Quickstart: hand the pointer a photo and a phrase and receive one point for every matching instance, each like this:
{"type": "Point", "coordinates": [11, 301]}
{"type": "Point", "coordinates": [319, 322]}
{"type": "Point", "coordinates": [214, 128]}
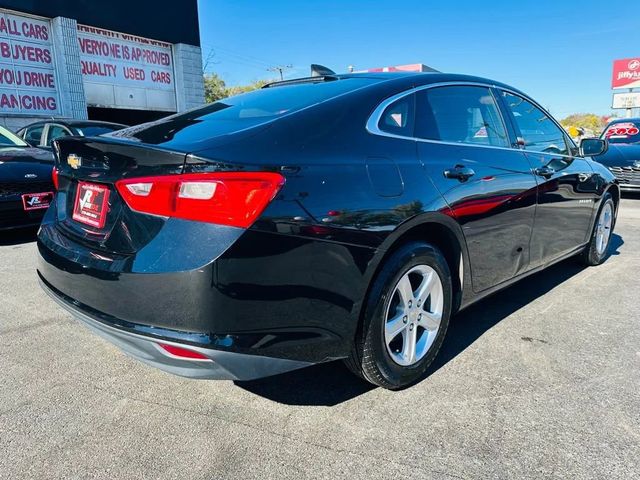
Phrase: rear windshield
{"type": "Point", "coordinates": [239, 112]}
{"type": "Point", "coordinates": [623, 132]}
{"type": "Point", "coordinates": [95, 130]}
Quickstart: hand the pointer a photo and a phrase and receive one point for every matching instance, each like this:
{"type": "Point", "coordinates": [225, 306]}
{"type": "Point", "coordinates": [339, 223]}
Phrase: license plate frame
{"type": "Point", "coordinates": [33, 201]}
{"type": "Point", "coordinates": [91, 204]}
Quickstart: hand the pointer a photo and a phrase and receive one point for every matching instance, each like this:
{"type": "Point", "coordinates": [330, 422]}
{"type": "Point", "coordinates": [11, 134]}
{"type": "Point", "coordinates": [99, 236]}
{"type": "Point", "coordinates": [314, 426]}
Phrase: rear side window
{"type": "Point", "coordinates": [460, 114]}
{"type": "Point", "coordinates": [539, 132]}
{"type": "Point", "coordinates": [397, 118]}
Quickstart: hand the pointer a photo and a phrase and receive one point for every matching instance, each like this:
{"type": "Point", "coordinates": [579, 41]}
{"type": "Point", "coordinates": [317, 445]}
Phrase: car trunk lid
{"type": "Point", "coordinates": [87, 171]}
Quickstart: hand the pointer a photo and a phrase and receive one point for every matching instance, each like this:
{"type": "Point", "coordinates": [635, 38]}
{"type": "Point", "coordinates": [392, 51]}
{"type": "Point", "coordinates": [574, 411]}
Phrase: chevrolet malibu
{"type": "Point", "coordinates": [331, 217]}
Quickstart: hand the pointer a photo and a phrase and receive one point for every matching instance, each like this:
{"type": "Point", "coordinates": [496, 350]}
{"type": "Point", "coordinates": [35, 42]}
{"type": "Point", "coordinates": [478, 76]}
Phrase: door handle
{"type": "Point", "coordinates": [459, 172]}
{"type": "Point", "coordinates": [545, 171]}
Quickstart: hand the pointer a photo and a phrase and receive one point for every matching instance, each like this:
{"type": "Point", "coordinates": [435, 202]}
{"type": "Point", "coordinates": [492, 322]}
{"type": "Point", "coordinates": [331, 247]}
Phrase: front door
{"type": "Point", "coordinates": [567, 188]}
{"type": "Point", "coordinates": [488, 184]}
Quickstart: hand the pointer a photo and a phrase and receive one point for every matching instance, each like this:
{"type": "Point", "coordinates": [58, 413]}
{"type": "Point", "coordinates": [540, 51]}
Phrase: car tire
{"type": "Point", "coordinates": [597, 249]}
{"type": "Point", "coordinates": [397, 360]}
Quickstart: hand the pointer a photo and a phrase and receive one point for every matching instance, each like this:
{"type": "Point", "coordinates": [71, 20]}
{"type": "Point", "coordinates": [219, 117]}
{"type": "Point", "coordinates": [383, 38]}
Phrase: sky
{"type": "Point", "coordinates": [559, 52]}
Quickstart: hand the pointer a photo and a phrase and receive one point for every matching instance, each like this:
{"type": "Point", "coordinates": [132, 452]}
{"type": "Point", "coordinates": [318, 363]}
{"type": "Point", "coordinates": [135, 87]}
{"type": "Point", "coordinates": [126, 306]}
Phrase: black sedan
{"type": "Point", "coordinates": [42, 134]}
{"type": "Point", "coordinates": [26, 184]}
{"type": "Point", "coordinates": [623, 155]}
{"type": "Point", "coordinates": [331, 217]}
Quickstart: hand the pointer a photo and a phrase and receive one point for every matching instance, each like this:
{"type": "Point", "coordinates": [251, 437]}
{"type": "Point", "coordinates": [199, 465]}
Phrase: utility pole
{"type": "Point", "coordinates": [280, 69]}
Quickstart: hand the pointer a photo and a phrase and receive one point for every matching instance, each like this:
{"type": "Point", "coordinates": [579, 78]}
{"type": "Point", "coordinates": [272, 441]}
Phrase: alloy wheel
{"type": "Point", "coordinates": [603, 228]}
{"type": "Point", "coordinates": [413, 315]}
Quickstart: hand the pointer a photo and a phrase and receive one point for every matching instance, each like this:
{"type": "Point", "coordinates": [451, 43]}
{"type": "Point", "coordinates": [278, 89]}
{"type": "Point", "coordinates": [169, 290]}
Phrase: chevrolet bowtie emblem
{"type": "Point", "coordinates": [74, 161]}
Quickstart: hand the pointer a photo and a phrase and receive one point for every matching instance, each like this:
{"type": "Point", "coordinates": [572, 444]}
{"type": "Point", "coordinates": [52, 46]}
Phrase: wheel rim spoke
{"type": "Point", "coordinates": [394, 326]}
{"type": "Point", "coordinates": [409, 349]}
{"type": "Point", "coordinates": [424, 290]}
{"type": "Point", "coordinates": [431, 321]}
{"type": "Point", "coordinates": [405, 291]}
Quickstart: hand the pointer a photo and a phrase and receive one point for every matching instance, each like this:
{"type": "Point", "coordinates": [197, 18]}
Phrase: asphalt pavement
{"type": "Point", "coordinates": [541, 380]}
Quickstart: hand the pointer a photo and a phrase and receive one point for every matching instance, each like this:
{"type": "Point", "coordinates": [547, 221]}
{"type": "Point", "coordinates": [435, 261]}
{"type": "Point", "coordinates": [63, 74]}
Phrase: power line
{"type": "Point", "coordinates": [280, 69]}
{"type": "Point", "coordinates": [241, 56]}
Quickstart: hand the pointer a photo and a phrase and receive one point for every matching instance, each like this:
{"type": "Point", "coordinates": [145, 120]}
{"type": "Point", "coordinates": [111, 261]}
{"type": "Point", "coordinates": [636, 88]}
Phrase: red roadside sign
{"type": "Point", "coordinates": [626, 73]}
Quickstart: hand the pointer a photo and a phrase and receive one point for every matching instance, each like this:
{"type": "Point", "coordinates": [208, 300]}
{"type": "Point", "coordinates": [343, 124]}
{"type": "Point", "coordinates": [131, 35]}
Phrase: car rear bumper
{"type": "Point", "coordinates": [218, 365]}
{"type": "Point", "coordinates": [260, 294]}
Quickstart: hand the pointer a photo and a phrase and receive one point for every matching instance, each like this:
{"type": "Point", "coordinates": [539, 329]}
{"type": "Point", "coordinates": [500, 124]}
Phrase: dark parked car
{"type": "Point", "coordinates": [623, 155]}
{"type": "Point", "coordinates": [26, 185]}
{"type": "Point", "coordinates": [42, 134]}
{"type": "Point", "coordinates": [334, 217]}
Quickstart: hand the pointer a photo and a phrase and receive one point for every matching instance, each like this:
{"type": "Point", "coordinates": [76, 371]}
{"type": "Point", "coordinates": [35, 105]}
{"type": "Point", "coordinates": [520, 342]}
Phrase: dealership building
{"type": "Point", "coordinates": [121, 61]}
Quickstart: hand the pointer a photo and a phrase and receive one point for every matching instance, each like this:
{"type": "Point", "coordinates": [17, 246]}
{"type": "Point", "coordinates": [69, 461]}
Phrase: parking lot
{"type": "Point", "coordinates": [540, 380]}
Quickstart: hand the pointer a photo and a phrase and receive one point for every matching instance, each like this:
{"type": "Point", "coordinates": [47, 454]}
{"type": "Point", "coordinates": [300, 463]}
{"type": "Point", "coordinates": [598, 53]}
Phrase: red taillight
{"type": "Point", "coordinates": [183, 352]}
{"type": "Point", "coordinates": [225, 198]}
{"type": "Point", "coordinates": [54, 177]}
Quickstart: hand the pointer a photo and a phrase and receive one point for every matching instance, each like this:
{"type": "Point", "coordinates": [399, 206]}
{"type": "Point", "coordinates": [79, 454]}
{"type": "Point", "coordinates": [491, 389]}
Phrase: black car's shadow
{"type": "Point", "coordinates": [331, 383]}
{"type": "Point", "coordinates": [631, 195]}
{"type": "Point", "coordinates": [18, 236]}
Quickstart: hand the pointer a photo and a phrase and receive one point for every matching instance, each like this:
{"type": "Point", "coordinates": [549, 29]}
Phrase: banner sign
{"type": "Point", "coordinates": [626, 73]}
{"type": "Point", "coordinates": [27, 71]}
{"type": "Point", "coordinates": [114, 58]}
{"type": "Point", "coordinates": [622, 130]}
{"type": "Point", "coordinates": [626, 100]}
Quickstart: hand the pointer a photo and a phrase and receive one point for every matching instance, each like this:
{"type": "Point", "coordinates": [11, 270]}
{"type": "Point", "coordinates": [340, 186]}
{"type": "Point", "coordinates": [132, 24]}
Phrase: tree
{"type": "Point", "coordinates": [247, 88]}
{"type": "Point", "coordinates": [588, 121]}
{"type": "Point", "coordinates": [215, 88]}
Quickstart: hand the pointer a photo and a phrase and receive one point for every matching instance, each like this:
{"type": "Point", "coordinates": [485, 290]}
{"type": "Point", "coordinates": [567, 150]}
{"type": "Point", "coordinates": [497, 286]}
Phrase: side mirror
{"type": "Point", "coordinates": [591, 147]}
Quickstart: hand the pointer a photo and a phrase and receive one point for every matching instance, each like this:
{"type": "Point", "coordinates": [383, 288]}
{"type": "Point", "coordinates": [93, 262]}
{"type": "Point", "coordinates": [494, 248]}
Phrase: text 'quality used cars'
{"type": "Point", "coordinates": [333, 217]}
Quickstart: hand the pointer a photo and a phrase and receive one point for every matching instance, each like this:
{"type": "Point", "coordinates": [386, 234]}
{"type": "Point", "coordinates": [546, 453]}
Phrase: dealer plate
{"type": "Point", "coordinates": [36, 201]}
{"type": "Point", "coordinates": [91, 204]}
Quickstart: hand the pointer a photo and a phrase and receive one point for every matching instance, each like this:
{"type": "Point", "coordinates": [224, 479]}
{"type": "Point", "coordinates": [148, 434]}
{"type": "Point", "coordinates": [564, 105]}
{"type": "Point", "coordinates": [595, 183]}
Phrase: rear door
{"type": "Point", "coordinates": [567, 188]}
{"type": "Point", "coordinates": [467, 152]}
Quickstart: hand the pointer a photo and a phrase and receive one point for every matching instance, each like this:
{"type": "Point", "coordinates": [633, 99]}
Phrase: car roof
{"type": "Point", "coordinates": [426, 78]}
{"type": "Point", "coordinates": [406, 79]}
{"type": "Point", "coordinates": [624, 120]}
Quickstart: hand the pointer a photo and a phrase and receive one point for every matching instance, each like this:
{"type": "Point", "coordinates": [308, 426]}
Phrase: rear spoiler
{"type": "Point", "coordinates": [296, 81]}
{"type": "Point", "coordinates": [319, 73]}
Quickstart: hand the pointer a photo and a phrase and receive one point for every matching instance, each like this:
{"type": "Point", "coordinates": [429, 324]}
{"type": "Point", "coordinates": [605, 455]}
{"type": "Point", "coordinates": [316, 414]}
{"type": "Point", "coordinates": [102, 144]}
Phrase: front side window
{"type": "Point", "coordinates": [397, 118]}
{"type": "Point", "coordinates": [460, 114]}
{"type": "Point", "coordinates": [538, 131]}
